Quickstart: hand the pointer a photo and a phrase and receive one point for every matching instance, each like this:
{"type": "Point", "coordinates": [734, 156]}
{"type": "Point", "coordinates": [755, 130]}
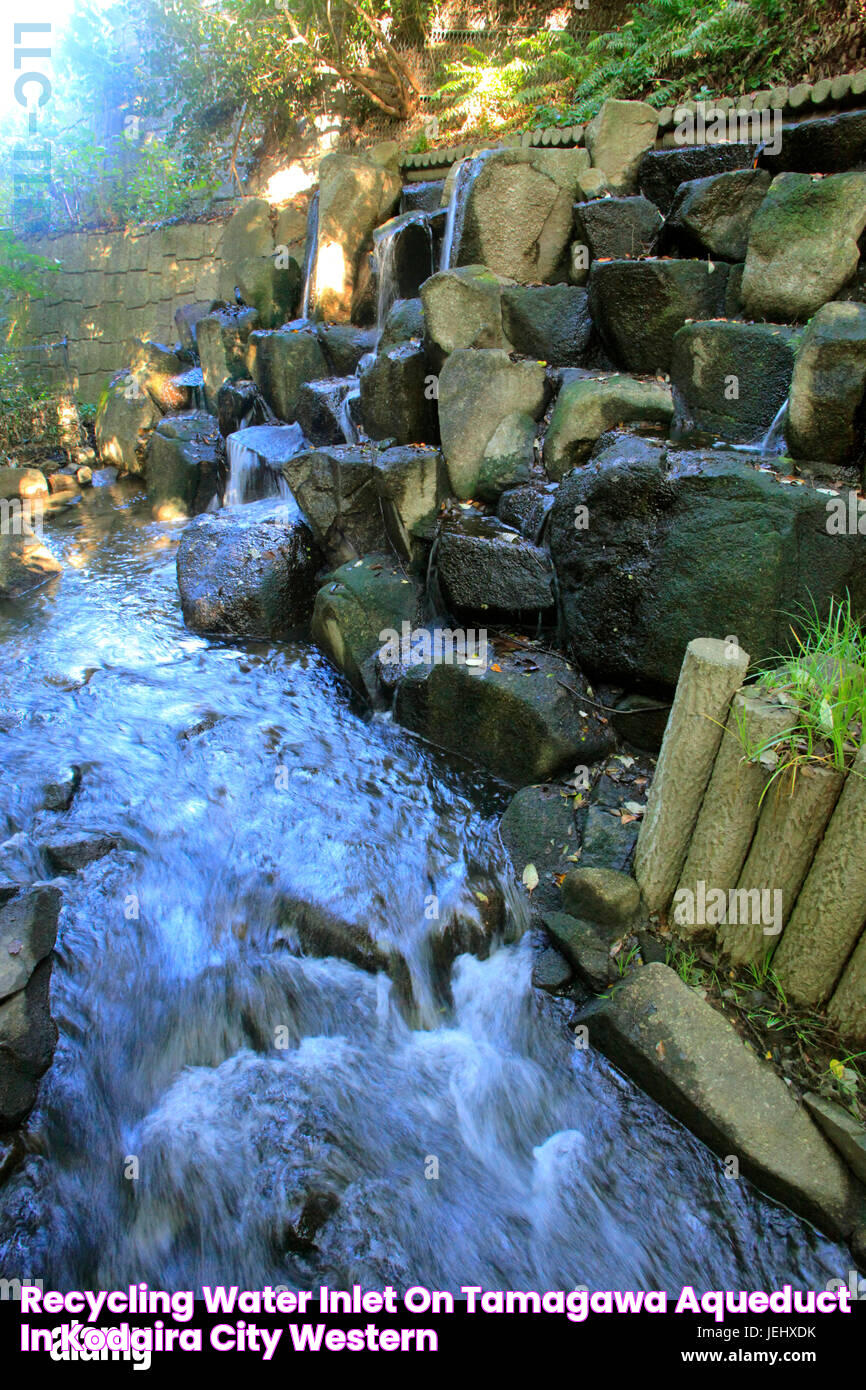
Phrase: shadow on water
{"type": "Point", "coordinates": [224, 1109]}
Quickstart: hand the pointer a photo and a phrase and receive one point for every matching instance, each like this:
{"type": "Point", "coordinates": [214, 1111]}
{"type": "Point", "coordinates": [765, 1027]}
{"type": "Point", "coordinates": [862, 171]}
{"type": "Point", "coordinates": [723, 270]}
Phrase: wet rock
{"type": "Point", "coordinates": [344, 345]}
{"type": "Point", "coordinates": [125, 417]}
{"type": "Point", "coordinates": [319, 409]}
{"type": "Point", "coordinates": [692, 1061]}
{"type": "Point", "coordinates": [59, 795]}
{"type": "Point", "coordinates": [533, 246]}
{"type": "Point", "coordinates": [587, 409]}
{"type": "Point", "coordinates": [463, 309]}
{"type": "Point", "coordinates": [222, 337]}
{"type": "Point", "coordinates": [356, 195]}
{"type": "Point", "coordinates": [550, 322]}
{"type": "Point", "coordinates": [686, 542]}
{"type": "Point", "coordinates": [397, 401]}
{"type": "Point", "coordinates": [411, 482]}
{"type": "Point", "coordinates": [830, 145]}
{"type": "Point", "coordinates": [661, 172]}
{"type": "Point", "coordinates": [28, 1037]}
{"type": "Point", "coordinates": [405, 321]}
{"type": "Point", "coordinates": [78, 849]}
{"type": "Point", "coordinates": [730, 379]}
{"type": "Point", "coordinates": [826, 418]}
{"type": "Point", "coordinates": [609, 899]}
{"type": "Point", "coordinates": [248, 572]}
{"type": "Point", "coordinates": [583, 946]}
{"type": "Point", "coordinates": [335, 488]}
{"type": "Point", "coordinates": [488, 408]}
{"type": "Point", "coordinates": [617, 228]}
{"type": "Point", "coordinates": [25, 561]}
{"type": "Point", "coordinates": [550, 971]}
{"type": "Point", "coordinates": [28, 930]}
{"type": "Point", "coordinates": [485, 564]}
{"type": "Point", "coordinates": [280, 362]}
{"type": "Point", "coordinates": [538, 828]}
{"type": "Point", "coordinates": [356, 609]}
{"type": "Point", "coordinates": [618, 137]}
{"type": "Point", "coordinates": [520, 725]}
{"type": "Point", "coordinates": [803, 244]}
{"type": "Point", "coordinates": [714, 215]}
{"type": "Point", "coordinates": [185, 464]}
{"type": "Point", "coordinates": [638, 306]}
{"type": "Point", "coordinates": [844, 1132]}
{"type": "Point", "coordinates": [155, 367]}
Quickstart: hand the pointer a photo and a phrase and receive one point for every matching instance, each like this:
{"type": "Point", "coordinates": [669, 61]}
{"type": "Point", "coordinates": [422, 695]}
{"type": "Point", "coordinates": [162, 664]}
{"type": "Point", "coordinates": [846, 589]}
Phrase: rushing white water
{"type": "Point", "coordinates": [310, 254]}
{"type": "Point", "coordinates": [467, 172]}
{"type": "Point", "coordinates": [254, 458]}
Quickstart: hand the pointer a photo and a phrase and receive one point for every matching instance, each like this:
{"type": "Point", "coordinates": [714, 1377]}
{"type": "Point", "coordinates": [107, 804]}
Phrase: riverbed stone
{"type": "Point", "coordinates": [683, 543]}
{"type": "Point", "coordinates": [617, 228]}
{"type": "Point", "coordinates": [360, 605]}
{"type": "Point", "coordinates": [28, 930]}
{"type": "Point", "coordinates": [550, 322]}
{"type": "Point", "coordinates": [248, 571]}
{"type": "Point", "coordinates": [520, 725]}
{"type": "Point", "coordinates": [618, 137]}
{"type": "Point", "coordinates": [483, 564]}
{"type": "Point", "coordinates": [463, 309]}
{"type": "Point", "coordinates": [335, 487]}
{"type": "Point", "coordinates": [540, 185]}
{"type": "Point", "coordinates": [222, 337]}
{"type": "Point", "coordinates": [730, 379]}
{"type": "Point", "coordinates": [690, 1059]}
{"type": "Point", "coordinates": [396, 400]}
{"type": "Point", "coordinates": [826, 417]}
{"type": "Point", "coordinates": [488, 408]}
{"type": "Point", "coordinates": [588, 408]}
{"type": "Point", "coordinates": [125, 417]}
{"type": "Point", "coordinates": [638, 306]}
{"type": "Point", "coordinates": [280, 362]}
{"type": "Point", "coordinates": [714, 215]}
{"type": "Point", "coordinates": [803, 244]}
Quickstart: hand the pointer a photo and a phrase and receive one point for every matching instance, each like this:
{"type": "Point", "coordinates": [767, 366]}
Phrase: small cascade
{"type": "Point", "coordinates": [773, 441]}
{"type": "Point", "coordinates": [310, 253]}
{"type": "Point", "coordinates": [467, 172]}
{"type": "Point", "coordinates": [255, 456]}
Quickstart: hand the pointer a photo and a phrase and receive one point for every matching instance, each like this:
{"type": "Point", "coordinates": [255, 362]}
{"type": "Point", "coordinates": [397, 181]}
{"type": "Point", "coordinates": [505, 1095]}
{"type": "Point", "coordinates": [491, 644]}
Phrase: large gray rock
{"type": "Point", "coordinates": [638, 306]}
{"type": "Point", "coordinates": [28, 1037]}
{"type": "Point", "coordinates": [463, 309]}
{"type": "Point", "coordinates": [248, 571]}
{"type": "Point", "coordinates": [185, 464]}
{"type": "Point", "coordinates": [336, 490]}
{"type": "Point", "coordinates": [355, 196]}
{"type": "Point", "coordinates": [826, 409]}
{"type": "Point", "coordinates": [483, 564]}
{"type": "Point", "coordinates": [617, 228]}
{"type": "Point", "coordinates": [588, 408]}
{"type": "Point", "coordinates": [222, 338]}
{"type": "Point", "coordinates": [488, 408]}
{"type": "Point", "coordinates": [518, 721]}
{"type": "Point", "coordinates": [411, 482]}
{"type": "Point", "coordinates": [518, 213]}
{"type": "Point", "coordinates": [28, 930]}
{"type": "Point", "coordinates": [689, 543]}
{"type": "Point", "coordinates": [125, 417]}
{"type": "Point", "coordinates": [691, 1059]}
{"type": "Point", "coordinates": [397, 401]}
{"type": "Point", "coordinates": [661, 172]}
{"type": "Point", "coordinates": [618, 137]}
{"type": "Point", "coordinates": [355, 611]}
{"type": "Point", "coordinates": [803, 244]}
{"type": "Point", "coordinates": [714, 215]}
{"type": "Point", "coordinates": [280, 362]}
{"type": "Point", "coordinates": [730, 379]}
{"type": "Point", "coordinates": [550, 322]}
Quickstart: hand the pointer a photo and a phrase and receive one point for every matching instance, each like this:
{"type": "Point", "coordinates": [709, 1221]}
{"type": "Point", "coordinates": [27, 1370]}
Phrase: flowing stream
{"type": "Point", "coordinates": [222, 1108]}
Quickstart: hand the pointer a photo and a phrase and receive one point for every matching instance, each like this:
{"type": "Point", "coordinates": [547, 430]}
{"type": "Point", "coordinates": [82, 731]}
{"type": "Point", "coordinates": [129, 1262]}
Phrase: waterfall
{"type": "Point", "coordinates": [310, 253]}
{"type": "Point", "coordinates": [467, 172]}
{"type": "Point", "coordinates": [255, 456]}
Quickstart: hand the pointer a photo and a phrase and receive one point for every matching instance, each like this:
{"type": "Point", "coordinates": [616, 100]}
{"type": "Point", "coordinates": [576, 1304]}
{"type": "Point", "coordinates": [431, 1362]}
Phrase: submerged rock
{"type": "Point", "coordinates": [247, 572]}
